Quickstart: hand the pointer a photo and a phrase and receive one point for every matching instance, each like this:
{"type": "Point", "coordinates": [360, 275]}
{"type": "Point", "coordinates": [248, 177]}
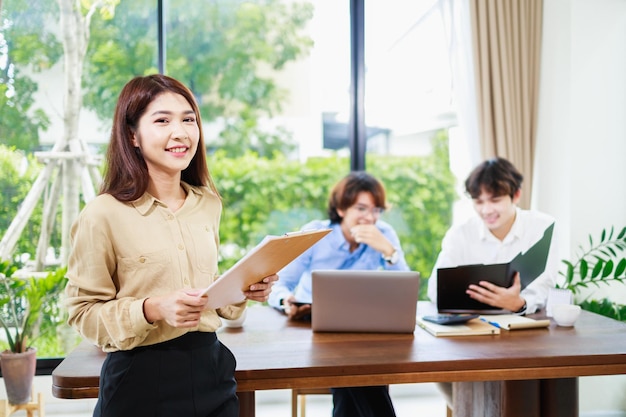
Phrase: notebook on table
{"type": "Point", "coordinates": [364, 301]}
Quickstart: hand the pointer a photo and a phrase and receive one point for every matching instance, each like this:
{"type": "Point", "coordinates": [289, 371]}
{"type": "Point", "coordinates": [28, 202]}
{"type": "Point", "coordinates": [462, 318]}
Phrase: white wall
{"type": "Point", "coordinates": [580, 170]}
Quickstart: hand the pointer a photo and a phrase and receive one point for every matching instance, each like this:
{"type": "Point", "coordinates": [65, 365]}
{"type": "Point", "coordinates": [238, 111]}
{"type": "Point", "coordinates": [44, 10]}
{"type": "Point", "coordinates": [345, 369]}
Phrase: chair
{"type": "Point", "coordinates": [298, 398]}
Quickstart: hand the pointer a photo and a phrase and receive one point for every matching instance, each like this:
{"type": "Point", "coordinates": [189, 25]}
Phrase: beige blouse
{"type": "Point", "coordinates": [123, 253]}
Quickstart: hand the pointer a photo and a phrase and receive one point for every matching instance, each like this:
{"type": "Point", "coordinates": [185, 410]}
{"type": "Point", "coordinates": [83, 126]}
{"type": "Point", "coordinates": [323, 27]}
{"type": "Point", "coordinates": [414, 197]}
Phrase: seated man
{"type": "Point", "coordinates": [359, 240]}
{"type": "Point", "coordinates": [499, 232]}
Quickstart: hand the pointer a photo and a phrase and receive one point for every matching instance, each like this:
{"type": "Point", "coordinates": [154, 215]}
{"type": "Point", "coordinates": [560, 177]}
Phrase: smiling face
{"type": "Point", "coordinates": [497, 212]}
{"type": "Point", "coordinates": [363, 211]}
{"type": "Point", "coordinates": [167, 135]}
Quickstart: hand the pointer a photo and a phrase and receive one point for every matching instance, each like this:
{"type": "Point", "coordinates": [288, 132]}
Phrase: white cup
{"type": "Point", "coordinates": [238, 322]}
{"type": "Point", "coordinates": [565, 314]}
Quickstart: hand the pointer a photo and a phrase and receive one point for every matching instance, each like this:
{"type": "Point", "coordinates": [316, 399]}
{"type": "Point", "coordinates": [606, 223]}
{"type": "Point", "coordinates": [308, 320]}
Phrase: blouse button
{"type": "Point", "coordinates": [142, 260]}
{"type": "Point", "coordinates": [181, 246]}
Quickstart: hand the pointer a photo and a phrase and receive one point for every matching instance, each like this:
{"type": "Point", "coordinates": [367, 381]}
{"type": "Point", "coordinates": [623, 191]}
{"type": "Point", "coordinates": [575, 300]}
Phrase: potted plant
{"type": "Point", "coordinates": [602, 262]}
{"type": "Point", "coordinates": [23, 303]}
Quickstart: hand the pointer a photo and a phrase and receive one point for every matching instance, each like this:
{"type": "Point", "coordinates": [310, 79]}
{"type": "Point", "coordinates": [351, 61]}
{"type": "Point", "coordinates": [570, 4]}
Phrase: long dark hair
{"type": "Point", "coordinates": [126, 177]}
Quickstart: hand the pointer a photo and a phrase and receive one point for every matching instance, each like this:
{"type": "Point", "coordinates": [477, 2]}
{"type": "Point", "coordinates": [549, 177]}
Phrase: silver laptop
{"type": "Point", "coordinates": [364, 301]}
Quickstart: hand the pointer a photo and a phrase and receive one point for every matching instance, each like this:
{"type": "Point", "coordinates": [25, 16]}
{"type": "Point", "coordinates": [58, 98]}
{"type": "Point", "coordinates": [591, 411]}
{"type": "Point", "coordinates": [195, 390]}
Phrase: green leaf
{"type": "Point", "coordinates": [608, 268]}
{"type": "Point", "coordinates": [621, 267]}
{"type": "Point", "coordinates": [583, 269]}
{"type": "Point", "coordinates": [622, 233]}
{"type": "Point", "coordinates": [603, 236]}
{"type": "Point", "coordinates": [596, 269]}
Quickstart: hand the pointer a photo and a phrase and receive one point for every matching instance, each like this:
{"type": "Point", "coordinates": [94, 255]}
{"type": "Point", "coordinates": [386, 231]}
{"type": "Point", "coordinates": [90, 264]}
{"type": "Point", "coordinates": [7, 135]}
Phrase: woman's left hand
{"type": "Point", "coordinates": [260, 291]}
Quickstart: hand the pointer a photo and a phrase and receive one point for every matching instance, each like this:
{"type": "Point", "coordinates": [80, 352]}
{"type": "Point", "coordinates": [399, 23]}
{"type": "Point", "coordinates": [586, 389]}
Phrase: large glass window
{"type": "Point", "coordinates": [273, 80]}
{"type": "Point", "coordinates": [408, 115]}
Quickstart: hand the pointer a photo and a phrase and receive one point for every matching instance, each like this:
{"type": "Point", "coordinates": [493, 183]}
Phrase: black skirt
{"type": "Point", "coordinates": [191, 376]}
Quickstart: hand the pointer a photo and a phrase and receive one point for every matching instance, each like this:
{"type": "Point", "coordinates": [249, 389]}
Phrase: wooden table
{"type": "Point", "coordinates": [526, 372]}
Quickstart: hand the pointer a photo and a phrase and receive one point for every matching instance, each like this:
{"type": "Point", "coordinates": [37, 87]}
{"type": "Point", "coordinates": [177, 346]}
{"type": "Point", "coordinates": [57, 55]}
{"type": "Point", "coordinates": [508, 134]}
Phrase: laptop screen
{"type": "Point", "coordinates": [364, 301]}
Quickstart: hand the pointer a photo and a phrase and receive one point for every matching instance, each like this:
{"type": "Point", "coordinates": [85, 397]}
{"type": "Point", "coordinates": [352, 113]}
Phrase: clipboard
{"type": "Point", "coordinates": [267, 258]}
{"type": "Point", "coordinates": [452, 282]}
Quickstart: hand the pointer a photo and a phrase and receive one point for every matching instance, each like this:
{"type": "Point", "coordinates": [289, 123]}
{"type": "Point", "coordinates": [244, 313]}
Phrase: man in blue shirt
{"type": "Point", "coordinates": [359, 241]}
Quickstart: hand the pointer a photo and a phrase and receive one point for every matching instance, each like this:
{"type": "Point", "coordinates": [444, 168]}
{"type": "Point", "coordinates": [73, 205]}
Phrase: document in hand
{"type": "Point", "coordinates": [452, 282]}
{"type": "Point", "coordinates": [474, 327]}
{"type": "Point", "coordinates": [267, 258]}
{"type": "Point", "coordinates": [514, 322]}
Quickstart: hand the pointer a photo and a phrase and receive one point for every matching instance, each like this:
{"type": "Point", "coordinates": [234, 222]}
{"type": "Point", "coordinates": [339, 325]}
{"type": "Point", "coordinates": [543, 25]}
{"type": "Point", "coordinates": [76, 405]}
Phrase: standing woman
{"type": "Point", "coordinates": [141, 253]}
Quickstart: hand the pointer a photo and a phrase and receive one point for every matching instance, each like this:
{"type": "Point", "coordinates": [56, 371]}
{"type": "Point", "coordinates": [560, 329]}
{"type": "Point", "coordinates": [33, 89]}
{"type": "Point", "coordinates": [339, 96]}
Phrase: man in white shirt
{"type": "Point", "coordinates": [499, 233]}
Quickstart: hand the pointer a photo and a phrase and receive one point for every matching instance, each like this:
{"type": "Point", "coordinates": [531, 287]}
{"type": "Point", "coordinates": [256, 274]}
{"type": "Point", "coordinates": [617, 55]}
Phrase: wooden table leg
{"type": "Point", "coordinates": [559, 397]}
{"type": "Point", "coordinates": [246, 404]}
{"type": "Point", "coordinates": [521, 398]}
{"type": "Point", "coordinates": [527, 398]}
{"type": "Point", "coordinates": [471, 399]}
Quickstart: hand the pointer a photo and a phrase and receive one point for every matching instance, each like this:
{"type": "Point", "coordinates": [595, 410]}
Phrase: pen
{"type": "Point", "coordinates": [493, 323]}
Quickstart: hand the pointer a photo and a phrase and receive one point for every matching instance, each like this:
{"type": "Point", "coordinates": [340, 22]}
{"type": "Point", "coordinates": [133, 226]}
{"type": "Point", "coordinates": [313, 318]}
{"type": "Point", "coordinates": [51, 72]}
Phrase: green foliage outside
{"type": "Point", "coordinates": [227, 52]}
{"type": "Point", "coordinates": [24, 48]}
{"type": "Point", "coordinates": [18, 171]}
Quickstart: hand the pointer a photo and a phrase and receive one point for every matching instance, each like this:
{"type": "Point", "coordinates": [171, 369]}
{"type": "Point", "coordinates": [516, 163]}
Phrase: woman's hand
{"type": "Point", "coordinates": [178, 309]}
{"type": "Point", "coordinates": [260, 291]}
{"type": "Point", "coordinates": [496, 296]}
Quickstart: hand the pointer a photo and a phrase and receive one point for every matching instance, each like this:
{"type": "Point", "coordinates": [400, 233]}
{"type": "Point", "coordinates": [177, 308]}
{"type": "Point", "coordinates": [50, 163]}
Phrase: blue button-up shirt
{"type": "Point", "coordinates": [331, 252]}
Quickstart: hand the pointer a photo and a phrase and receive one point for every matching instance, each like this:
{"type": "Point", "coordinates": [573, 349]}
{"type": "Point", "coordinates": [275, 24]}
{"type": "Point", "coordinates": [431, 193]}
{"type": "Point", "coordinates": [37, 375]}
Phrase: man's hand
{"type": "Point", "coordinates": [496, 296]}
{"type": "Point", "coordinates": [370, 235]}
{"type": "Point", "coordinates": [295, 310]}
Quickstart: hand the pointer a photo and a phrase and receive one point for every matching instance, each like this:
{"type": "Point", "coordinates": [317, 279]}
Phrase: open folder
{"type": "Point", "coordinates": [453, 282]}
{"type": "Point", "coordinates": [267, 258]}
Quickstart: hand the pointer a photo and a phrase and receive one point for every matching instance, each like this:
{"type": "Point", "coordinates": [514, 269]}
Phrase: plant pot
{"type": "Point", "coordinates": [18, 371]}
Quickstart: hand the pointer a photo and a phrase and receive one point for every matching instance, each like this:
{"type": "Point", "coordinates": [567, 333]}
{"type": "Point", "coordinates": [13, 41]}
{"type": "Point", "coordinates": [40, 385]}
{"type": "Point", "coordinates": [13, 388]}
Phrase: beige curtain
{"type": "Point", "coordinates": [506, 37]}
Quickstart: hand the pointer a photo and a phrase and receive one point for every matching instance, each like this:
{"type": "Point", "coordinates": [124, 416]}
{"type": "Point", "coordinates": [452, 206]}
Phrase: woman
{"type": "Point", "coordinates": [359, 240]}
{"type": "Point", "coordinates": [141, 253]}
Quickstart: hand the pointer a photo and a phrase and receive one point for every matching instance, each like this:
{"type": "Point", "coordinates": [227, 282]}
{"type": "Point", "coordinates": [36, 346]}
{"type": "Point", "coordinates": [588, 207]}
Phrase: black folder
{"type": "Point", "coordinates": [453, 282]}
